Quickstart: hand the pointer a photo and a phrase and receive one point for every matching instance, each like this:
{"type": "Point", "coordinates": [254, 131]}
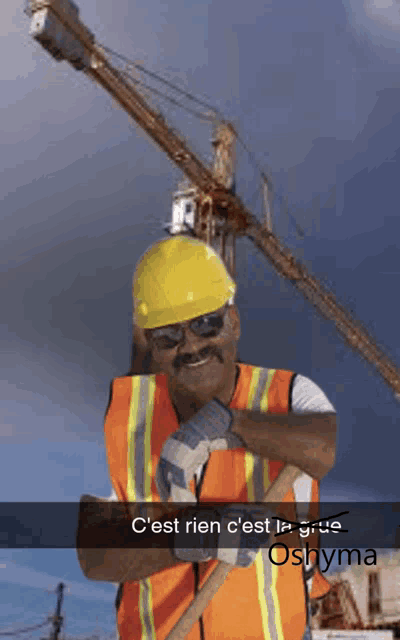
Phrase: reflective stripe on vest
{"type": "Point", "coordinates": [258, 481]}
{"type": "Point", "coordinates": [139, 477]}
{"type": "Point", "coordinates": [139, 439]}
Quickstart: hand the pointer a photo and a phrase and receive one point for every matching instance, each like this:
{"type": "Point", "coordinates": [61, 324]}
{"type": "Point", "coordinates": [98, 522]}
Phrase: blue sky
{"type": "Point", "coordinates": [314, 90]}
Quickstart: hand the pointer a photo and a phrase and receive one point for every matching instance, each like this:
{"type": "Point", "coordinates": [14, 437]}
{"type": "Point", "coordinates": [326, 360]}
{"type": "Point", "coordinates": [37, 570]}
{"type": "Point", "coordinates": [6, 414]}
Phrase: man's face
{"type": "Point", "coordinates": [198, 365]}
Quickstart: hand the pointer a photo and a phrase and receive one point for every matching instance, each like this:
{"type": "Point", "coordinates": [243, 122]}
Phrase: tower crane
{"type": "Point", "coordinates": [217, 211]}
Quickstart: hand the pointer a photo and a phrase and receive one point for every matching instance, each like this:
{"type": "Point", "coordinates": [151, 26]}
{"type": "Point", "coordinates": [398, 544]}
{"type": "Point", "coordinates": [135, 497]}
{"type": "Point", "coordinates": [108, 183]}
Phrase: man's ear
{"type": "Point", "coordinates": [235, 320]}
{"type": "Point", "coordinates": [139, 338]}
{"type": "Point", "coordinates": [141, 359]}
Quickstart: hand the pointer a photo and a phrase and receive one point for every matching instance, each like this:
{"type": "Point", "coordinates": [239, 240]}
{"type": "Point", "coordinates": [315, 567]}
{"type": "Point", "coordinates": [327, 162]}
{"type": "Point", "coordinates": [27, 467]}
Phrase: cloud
{"type": "Point", "coordinates": [379, 20]}
{"type": "Point", "coordinates": [383, 12]}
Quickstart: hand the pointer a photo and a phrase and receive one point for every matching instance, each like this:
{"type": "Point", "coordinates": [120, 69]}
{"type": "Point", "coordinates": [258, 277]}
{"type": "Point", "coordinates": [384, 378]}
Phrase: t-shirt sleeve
{"type": "Point", "coordinates": [307, 397]}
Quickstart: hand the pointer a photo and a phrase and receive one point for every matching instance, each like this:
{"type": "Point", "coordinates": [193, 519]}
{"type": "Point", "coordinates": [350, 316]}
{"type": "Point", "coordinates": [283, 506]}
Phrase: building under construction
{"type": "Point", "coordinates": [362, 598]}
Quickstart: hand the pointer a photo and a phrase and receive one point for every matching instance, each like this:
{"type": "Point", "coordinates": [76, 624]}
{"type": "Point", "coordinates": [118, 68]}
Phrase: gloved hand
{"type": "Point", "coordinates": [231, 545]}
{"type": "Point", "coordinates": [189, 448]}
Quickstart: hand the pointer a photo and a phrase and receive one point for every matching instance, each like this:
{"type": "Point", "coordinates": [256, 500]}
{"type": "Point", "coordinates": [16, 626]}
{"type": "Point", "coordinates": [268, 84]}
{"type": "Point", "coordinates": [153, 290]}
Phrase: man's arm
{"type": "Point", "coordinates": [306, 437]}
{"type": "Point", "coordinates": [306, 441]}
{"type": "Point", "coordinates": [119, 564]}
{"type": "Point", "coordinates": [122, 565]}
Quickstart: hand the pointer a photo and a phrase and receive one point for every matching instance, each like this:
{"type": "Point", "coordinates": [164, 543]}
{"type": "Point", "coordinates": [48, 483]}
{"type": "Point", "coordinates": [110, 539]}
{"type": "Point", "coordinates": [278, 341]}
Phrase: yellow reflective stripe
{"type": "Point", "coordinates": [266, 475]}
{"type": "Point", "coordinates": [146, 587]}
{"type": "Point", "coordinates": [132, 425]}
{"type": "Point", "coordinates": [249, 462]}
{"type": "Point", "coordinates": [249, 469]}
{"type": "Point", "coordinates": [264, 400]}
{"type": "Point", "coordinates": [267, 579]}
{"type": "Point", "coordinates": [264, 407]}
{"type": "Point", "coordinates": [139, 438]}
{"type": "Point", "coordinates": [142, 588]}
{"type": "Point", "coordinates": [146, 610]}
{"type": "Point", "coordinates": [139, 476]}
{"type": "Point", "coordinates": [259, 565]}
{"type": "Point", "coordinates": [147, 440]}
{"type": "Point", "coordinates": [249, 458]}
{"type": "Point", "coordinates": [253, 386]}
{"type": "Point", "coordinates": [275, 599]}
{"type": "Point", "coordinates": [150, 600]}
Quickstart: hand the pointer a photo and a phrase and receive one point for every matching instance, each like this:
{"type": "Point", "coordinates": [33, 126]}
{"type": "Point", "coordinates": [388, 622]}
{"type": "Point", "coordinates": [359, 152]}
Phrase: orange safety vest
{"type": "Point", "coordinates": [264, 601]}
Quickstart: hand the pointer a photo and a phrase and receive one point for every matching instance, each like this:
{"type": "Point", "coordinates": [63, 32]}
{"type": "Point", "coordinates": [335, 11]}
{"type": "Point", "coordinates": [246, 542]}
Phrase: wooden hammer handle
{"type": "Point", "coordinates": [275, 493]}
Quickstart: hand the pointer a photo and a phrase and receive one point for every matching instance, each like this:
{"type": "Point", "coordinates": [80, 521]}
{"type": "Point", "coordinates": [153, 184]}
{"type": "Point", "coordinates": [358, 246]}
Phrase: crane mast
{"type": "Point", "coordinates": [56, 25]}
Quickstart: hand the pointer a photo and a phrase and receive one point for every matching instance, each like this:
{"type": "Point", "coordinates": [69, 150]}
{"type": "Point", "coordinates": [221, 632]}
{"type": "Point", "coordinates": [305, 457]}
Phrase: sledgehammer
{"type": "Point", "coordinates": [275, 493]}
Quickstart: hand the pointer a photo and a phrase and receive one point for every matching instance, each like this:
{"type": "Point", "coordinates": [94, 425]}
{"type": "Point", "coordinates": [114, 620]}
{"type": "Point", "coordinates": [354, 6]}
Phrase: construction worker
{"type": "Point", "coordinates": [222, 430]}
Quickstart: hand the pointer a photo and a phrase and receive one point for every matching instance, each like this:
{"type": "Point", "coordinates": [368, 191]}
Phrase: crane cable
{"type": "Point", "coordinates": [163, 96]}
{"type": "Point", "coordinates": [202, 116]}
{"type": "Point", "coordinates": [217, 113]}
{"type": "Point", "coordinates": [152, 74]}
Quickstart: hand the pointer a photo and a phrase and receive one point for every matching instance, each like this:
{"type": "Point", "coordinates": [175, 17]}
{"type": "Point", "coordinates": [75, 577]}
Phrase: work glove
{"type": "Point", "coordinates": [189, 448]}
{"type": "Point", "coordinates": [231, 545]}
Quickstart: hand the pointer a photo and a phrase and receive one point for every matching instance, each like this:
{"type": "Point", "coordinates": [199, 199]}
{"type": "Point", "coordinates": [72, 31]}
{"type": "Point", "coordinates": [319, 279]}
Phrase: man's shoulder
{"type": "Point", "coordinates": [305, 394]}
{"type": "Point", "coordinates": [308, 397]}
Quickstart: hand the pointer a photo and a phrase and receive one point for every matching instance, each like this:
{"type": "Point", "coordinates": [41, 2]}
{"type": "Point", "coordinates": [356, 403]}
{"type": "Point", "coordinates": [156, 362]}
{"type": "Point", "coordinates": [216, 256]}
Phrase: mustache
{"type": "Point", "coordinates": [192, 358]}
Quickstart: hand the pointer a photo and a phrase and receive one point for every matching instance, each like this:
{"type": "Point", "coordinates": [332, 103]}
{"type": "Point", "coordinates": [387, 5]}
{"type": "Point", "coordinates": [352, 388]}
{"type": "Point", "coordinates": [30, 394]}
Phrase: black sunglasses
{"type": "Point", "coordinates": [206, 326]}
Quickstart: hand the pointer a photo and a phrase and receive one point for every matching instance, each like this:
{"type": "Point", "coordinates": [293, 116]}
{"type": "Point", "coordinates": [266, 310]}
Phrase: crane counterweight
{"type": "Point", "coordinates": [56, 25]}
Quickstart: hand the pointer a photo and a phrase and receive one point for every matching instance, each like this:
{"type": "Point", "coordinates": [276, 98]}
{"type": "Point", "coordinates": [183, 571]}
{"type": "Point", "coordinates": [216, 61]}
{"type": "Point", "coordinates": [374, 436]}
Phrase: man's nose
{"type": "Point", "coordinates": [190, 342]}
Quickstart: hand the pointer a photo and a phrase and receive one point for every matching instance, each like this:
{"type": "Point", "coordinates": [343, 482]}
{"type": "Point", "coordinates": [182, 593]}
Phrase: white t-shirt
{"type": "Point", "coordinates": [307, 397]}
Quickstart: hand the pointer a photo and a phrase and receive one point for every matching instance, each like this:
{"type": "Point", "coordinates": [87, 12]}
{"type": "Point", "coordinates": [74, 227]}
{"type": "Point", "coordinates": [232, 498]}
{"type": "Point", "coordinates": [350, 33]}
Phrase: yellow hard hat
{"type": "Point", "coordinates": [178, 279]}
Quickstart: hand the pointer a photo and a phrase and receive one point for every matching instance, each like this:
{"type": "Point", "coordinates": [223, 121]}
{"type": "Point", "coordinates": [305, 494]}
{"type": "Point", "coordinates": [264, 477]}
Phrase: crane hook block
{"type": "Point", "coordinates": [52, 25]}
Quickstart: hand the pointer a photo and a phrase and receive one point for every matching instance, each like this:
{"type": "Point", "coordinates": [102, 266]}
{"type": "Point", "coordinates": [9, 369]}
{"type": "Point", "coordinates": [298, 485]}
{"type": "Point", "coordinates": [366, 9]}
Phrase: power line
{"type": "Point", "coordinates": [16, 632]}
